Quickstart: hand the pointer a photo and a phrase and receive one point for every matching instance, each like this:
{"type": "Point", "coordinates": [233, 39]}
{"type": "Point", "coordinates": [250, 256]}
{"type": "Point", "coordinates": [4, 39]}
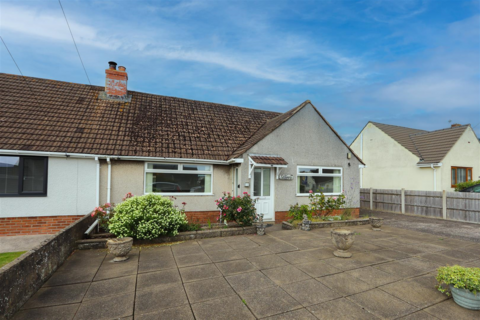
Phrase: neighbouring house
{"type": "Point", "coordinates": [66, 148]}
{"type": "Point", "coordinates": [413, 159]}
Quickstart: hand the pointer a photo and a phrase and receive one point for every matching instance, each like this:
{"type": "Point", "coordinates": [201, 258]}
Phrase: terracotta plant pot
{"type": "Point", "coordinates": [342, 239]}
{"type": "Point", "coordinates": [376, 223]}
{"type": "Point", "coordinates": [120, 248]}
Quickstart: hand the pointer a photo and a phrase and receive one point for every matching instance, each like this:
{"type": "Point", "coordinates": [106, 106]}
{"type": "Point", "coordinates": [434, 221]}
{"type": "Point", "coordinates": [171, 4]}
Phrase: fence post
{"type": "Point", "coordinates": [403, 200]}
{"type": "Point", "coordinates": [444, 204]}
{"type": "Point", "coordinates": [371, 199]}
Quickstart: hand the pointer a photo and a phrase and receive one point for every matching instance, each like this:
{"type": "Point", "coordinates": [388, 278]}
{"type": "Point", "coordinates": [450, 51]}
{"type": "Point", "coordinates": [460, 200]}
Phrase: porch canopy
{"type": "Point", "coordinates": [265, 161]}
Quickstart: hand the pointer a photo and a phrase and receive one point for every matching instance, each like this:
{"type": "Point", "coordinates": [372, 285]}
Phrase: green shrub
{"type": "Point", "coordinates": [296, 212]}
{"type": "Point", "coordinates": [325, 206]}
{"type": "Point", "coordinates": [146, 217]}
{"type": "Point", "coordinates": [464, 185]}
{"type": "Point", "coordinates": [459, 277]}
{"type": "Point", "coordinates": [239, 209]}
{"type": "Point", "coordinates": [190, 227]}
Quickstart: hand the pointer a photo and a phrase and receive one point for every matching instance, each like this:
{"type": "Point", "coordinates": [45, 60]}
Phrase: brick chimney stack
{"type": "Point", "coordinates": [456, 125]}
{"type": "Point", "coordinates": [116, 81]}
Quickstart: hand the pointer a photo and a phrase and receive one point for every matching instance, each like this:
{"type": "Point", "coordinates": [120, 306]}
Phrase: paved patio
{"type": "Point", "coordinates": [283, 275]}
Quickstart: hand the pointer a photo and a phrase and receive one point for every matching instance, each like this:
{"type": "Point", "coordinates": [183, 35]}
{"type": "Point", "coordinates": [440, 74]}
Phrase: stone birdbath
{"type": "Point", "coordinates": [342, 239]}
{"type": "Point", "coordinates": [120, 248]}
{"type": "Point", "coordinates": [376, 223]}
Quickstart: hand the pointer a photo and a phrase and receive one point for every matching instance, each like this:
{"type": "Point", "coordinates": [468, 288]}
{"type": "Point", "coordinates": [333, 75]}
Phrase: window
{"type": "Point", "coordinates": [460, 174]}
{"type": "Point", "coordinates": [178, 178]}
{"type": "Point", "coordinates": [319, 179]}
{"type": "Point", "coordinates": [23, 176]}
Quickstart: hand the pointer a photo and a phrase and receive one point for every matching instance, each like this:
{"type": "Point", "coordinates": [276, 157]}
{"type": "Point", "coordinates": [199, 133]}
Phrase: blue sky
{"type": "Point", "coordinates": [408, 63]}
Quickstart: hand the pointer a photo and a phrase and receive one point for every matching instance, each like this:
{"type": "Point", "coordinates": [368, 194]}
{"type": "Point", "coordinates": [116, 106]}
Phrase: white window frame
{"type": "Point", "coordinates": [179, 170]}
{"type": "Point", "coordinates": [320, 169]}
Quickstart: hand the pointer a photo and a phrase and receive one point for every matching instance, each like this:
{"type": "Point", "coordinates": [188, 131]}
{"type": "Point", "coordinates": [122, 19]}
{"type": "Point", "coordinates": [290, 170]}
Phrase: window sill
{"type": "Point", "coordinates": [307, 194]}
{"type": "Point", "coordinates": [180, 194]}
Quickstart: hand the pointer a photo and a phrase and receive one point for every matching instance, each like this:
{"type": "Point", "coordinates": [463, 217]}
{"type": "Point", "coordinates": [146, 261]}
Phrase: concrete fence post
{"type": "Point", "coordinates": [403, 200]}
{"type": "Point", "coordinates": [444, 204]}
{"type": "Point", "coordinates": [371, 199]}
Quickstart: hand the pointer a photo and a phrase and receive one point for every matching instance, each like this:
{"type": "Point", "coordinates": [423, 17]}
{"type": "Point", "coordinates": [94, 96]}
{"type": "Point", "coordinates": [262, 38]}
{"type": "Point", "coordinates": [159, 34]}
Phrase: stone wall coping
{"type": "Point", "coordinates": [326, 224]}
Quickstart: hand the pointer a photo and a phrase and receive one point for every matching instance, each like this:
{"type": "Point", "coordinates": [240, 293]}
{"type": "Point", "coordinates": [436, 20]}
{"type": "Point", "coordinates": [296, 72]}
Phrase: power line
{"type": "Point", "coordinates": [74, 42]}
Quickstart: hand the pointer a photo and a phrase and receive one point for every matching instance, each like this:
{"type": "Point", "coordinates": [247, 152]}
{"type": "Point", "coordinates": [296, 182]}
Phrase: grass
{"type": "Point", "coordinates": [9, 257]}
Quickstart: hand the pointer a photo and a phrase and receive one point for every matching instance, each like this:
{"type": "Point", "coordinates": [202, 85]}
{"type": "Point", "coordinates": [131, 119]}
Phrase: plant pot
{"type": "Point", "coordinates": [376, 223]}
{"type": "Point", "coordinates": [342, 239]}
{"type": "Point", "coordinates": [465, 298]}
{"type": "Point", "coordinates": [120, 248]}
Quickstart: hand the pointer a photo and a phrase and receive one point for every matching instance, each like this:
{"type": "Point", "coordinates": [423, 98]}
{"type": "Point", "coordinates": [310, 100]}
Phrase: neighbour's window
{"type": "Point", "coordinates": [461, 174]}
{"type": "Point", "coordinates": [166, 178]}
{"type": "Point", "coordinates": [23, 176]}
{"type": "Point", "coordinates": [319, 179]}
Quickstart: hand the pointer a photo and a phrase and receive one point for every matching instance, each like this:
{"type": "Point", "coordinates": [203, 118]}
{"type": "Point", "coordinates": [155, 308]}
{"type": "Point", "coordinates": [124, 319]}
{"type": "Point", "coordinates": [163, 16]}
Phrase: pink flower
{"type": "Point", "coordinates": [310, 191]}
{"type": "Point", "coordinates": [238, 196]}
{"type": "Point", "coordinates": [217, 203]}
{"type": "Point", "coordinates": [93, 214]}
{"type": "Point", "coordinates": [245, 192]}
{"type": "Point", "coordinates": [226, 208]}
{"type": "Point", "coordinates": [224, 214]}
{"type": "Point", "coordinates": [334, 198]}
{"type": "Point", "coordinates": [239, 209]}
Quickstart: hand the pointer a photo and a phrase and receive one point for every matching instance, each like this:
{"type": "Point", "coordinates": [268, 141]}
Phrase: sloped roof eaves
{"type": "Point", "coordinates": [269, 160]}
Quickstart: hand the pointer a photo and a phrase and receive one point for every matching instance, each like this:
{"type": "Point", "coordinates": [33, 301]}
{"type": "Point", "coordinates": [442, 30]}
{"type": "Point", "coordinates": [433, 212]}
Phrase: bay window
{"type": "Point", "coordinates": [461, 174]}
{"type": "Point", "coordinates": [176, 178]}
{"type": "Point", "coordinates": [23, 176]}
{"type": "Point", "coordinates": [319, 179]}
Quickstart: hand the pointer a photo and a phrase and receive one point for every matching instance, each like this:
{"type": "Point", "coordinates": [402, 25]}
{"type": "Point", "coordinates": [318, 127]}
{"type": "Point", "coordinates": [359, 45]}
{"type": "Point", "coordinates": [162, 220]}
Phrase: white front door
{"type": "Point", "coordinates": [263, 192]}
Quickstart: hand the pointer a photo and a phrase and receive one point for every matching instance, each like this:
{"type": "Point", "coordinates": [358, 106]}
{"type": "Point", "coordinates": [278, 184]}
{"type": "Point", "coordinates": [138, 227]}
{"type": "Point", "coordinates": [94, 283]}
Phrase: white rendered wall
{"type": "Point", "coordinates": [71, 190]}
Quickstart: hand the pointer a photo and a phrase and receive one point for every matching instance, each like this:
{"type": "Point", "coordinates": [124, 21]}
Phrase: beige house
{"type": "Point", "coordinates": [399, 157]}
{"type": "Point", "coordinates": [66, 148]}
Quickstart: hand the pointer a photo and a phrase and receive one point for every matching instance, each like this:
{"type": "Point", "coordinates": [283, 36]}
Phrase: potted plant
{"type": "Point", "coordinates": [464, 284]}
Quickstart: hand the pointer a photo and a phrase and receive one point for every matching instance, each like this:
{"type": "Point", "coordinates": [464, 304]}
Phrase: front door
{"type": "Point", "coordinates": [263, 192]}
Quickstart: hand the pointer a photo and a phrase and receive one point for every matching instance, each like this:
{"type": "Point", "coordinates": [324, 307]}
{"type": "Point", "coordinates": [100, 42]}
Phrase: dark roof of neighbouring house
{"type": "Point", "coordinates": [428, 146]}
{"type": "Point", "coordinates": [274, 160]}
{"type": "Point", "coordinates": [53, 116]}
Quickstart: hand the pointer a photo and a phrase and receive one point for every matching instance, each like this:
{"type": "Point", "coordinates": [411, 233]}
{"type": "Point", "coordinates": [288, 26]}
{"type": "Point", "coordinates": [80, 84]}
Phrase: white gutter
{"type": "Point", "coordinates": [429, 165]}
{"type": "Point", "coordinates": [101, 156]}
{"type": "Point", "coordinates": [109, 179]}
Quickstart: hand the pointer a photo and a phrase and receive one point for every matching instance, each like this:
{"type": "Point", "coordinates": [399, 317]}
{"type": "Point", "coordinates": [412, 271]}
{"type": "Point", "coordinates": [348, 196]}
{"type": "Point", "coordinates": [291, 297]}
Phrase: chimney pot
{"type": "Point", "coordinates": [112, 65]}
{"type": "Point", "coordinates": [456, 125]}
{"type": "Point", "coordinates": [121, 68]}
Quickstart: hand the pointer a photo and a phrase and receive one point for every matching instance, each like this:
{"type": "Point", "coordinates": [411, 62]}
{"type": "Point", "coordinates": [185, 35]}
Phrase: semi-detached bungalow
{"type": "Point", "coordinates": [66, 148]}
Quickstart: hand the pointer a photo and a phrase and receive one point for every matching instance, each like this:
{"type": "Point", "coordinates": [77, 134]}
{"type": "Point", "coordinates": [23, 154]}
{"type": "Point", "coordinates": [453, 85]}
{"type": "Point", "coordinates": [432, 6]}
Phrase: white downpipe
{"type": "Point", "coordinates": [434, 178]}
{"type": "Point", "coordinates": [109, 179]}
{"type": "Point", "coordinates": [97, 200]}
{"type": "Point", "coordinates": [361, 145]}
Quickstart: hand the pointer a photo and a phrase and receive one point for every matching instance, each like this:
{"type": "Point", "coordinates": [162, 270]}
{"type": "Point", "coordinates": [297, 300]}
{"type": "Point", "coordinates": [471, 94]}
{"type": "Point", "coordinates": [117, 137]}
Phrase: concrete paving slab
{"type": "Point", "coordinates": [112, 307]}
{"type": "Point", "coordinates": [440, 259]}
{"type": "Point", "coordinates": [84, 259]}
{"type": "Point", "coordinates": [106, 288]}
{"type": "Point", "coordinates": [269, 301]}
{"type": "Point", "coordinates": [63, 277]}
{"type": "Point", "coordinates": [22, 243]}
{"type": "Point", "coordinates": [192, 260]}
{"type": "Point", "coordinates": [399, 269]}
{"type": "Point", "coordinates": [374, 277]}
{"type": "Point", "coordinates": [210, 289]}
{"type": "Point", "coordinates": [155, 253]}
{"type": "Point", "coordinates": [392, 254]}
{"type": "Point", "coordinates": [224, 255]}
{"type": "Point", "coordinates": [160, 297]}
{"type": "Point", "coordinates": [222, 309]}
{"type": "Point", "coordinates": [310, 292]}
{"type": "Point", "coordinates": [217, 246]}
{"type": "Point", "coordinates": [178, 313]}
{"type": "Point", "coordinates": [414, 293]}
{"type": "Point", "coordinates": [341, 309]}
{"type": "Point", "coordinates": [297, 257]}
{"type": "Point", "coordinates": [158, 279]}
{"type": "Point", "coordinates": [285, 274]}
{"type": "Point", "coordinates": [318, 268]}
{"type": "Point", "coordinates": [268, 262]}
{"type": "Point", "coordinates": [110, 269]}
{"type": "Point", "coordinates": [410, 249]}
{"type": "Point", "coordinates": [463, 255]}
{"type": "Point", "coordinates": [156, 264]}
{"type": "Point", "coordinates": [255, 252]}
{"type": "Point", "coordinates": [54, 296]}
{"type": "Point", "coordinates": [300, 314]}
{"type": "Point", "coordinates": [448, 309]}
{"type": "Point", "coordinates": [420, 315]}
{"type": "Point", "coordinates": [49, 313]}
{"type": "Point", "coordinates": [382, 304]}
{"type": "Point", "coordinates": [345, 264]}
{"type": "Point", "coordinates": [202, 272]}
{"type": "Point", "coordinates": [280, 247]}
{"type": "Point", "coordinates": [249, 281]}
{"type": "Point", "coordinates": [345, 284]}
{"type": "Point", "coordinates": [420, 264]}
{"type": "Point", "coordinates": [236, 266]}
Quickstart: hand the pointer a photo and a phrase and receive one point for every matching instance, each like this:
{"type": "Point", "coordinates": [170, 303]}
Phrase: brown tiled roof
{"type": "Point", "coordinates": [428, 146]}
{"type": "Point", "coordinates": [269, 160]}
{"type": "Point", "coordinates": [53, 116]}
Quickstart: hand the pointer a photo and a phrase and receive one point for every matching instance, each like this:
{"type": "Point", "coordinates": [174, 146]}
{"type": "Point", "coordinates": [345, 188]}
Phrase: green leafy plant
{"type": "Point", "coordinates": [209, 224]}
{"type": "Point", "coordinates": [147, 217]}
{"type": "Point", "coordinates": [296, 212]}
{"type": "Point", "coordinates": [459, 277]}
{"type": "Point", "coordinates": [240, 209]}
{"type": "Point", "coordinates": [322, 205]}
{"type": "Point", "coordinates": [464, 185]}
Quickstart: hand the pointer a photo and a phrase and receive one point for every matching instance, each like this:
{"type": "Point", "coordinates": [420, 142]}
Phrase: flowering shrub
{"type": "Point", "coordinates": [103, 214]}
{"type": "Point", "coordinates": [147, 217]}
{"type": "Point", "coordinates": [296, 212]}
{"type": "Point", "coordinates": [240, 209]}
{"type": "Point", "coordinates": [324, 206]}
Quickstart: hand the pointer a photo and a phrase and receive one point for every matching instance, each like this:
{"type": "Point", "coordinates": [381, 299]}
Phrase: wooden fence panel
{"type": "Point", "coordinates": [460, 206]}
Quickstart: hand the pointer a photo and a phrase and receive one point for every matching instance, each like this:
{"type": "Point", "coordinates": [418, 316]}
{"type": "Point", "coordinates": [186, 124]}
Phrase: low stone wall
{"type": "Point", "coordinates": [21, 278]}
{"type": "Point", "coordinates": [328, 224]}
{"type": "Point", "coordinates": [181, 236]}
